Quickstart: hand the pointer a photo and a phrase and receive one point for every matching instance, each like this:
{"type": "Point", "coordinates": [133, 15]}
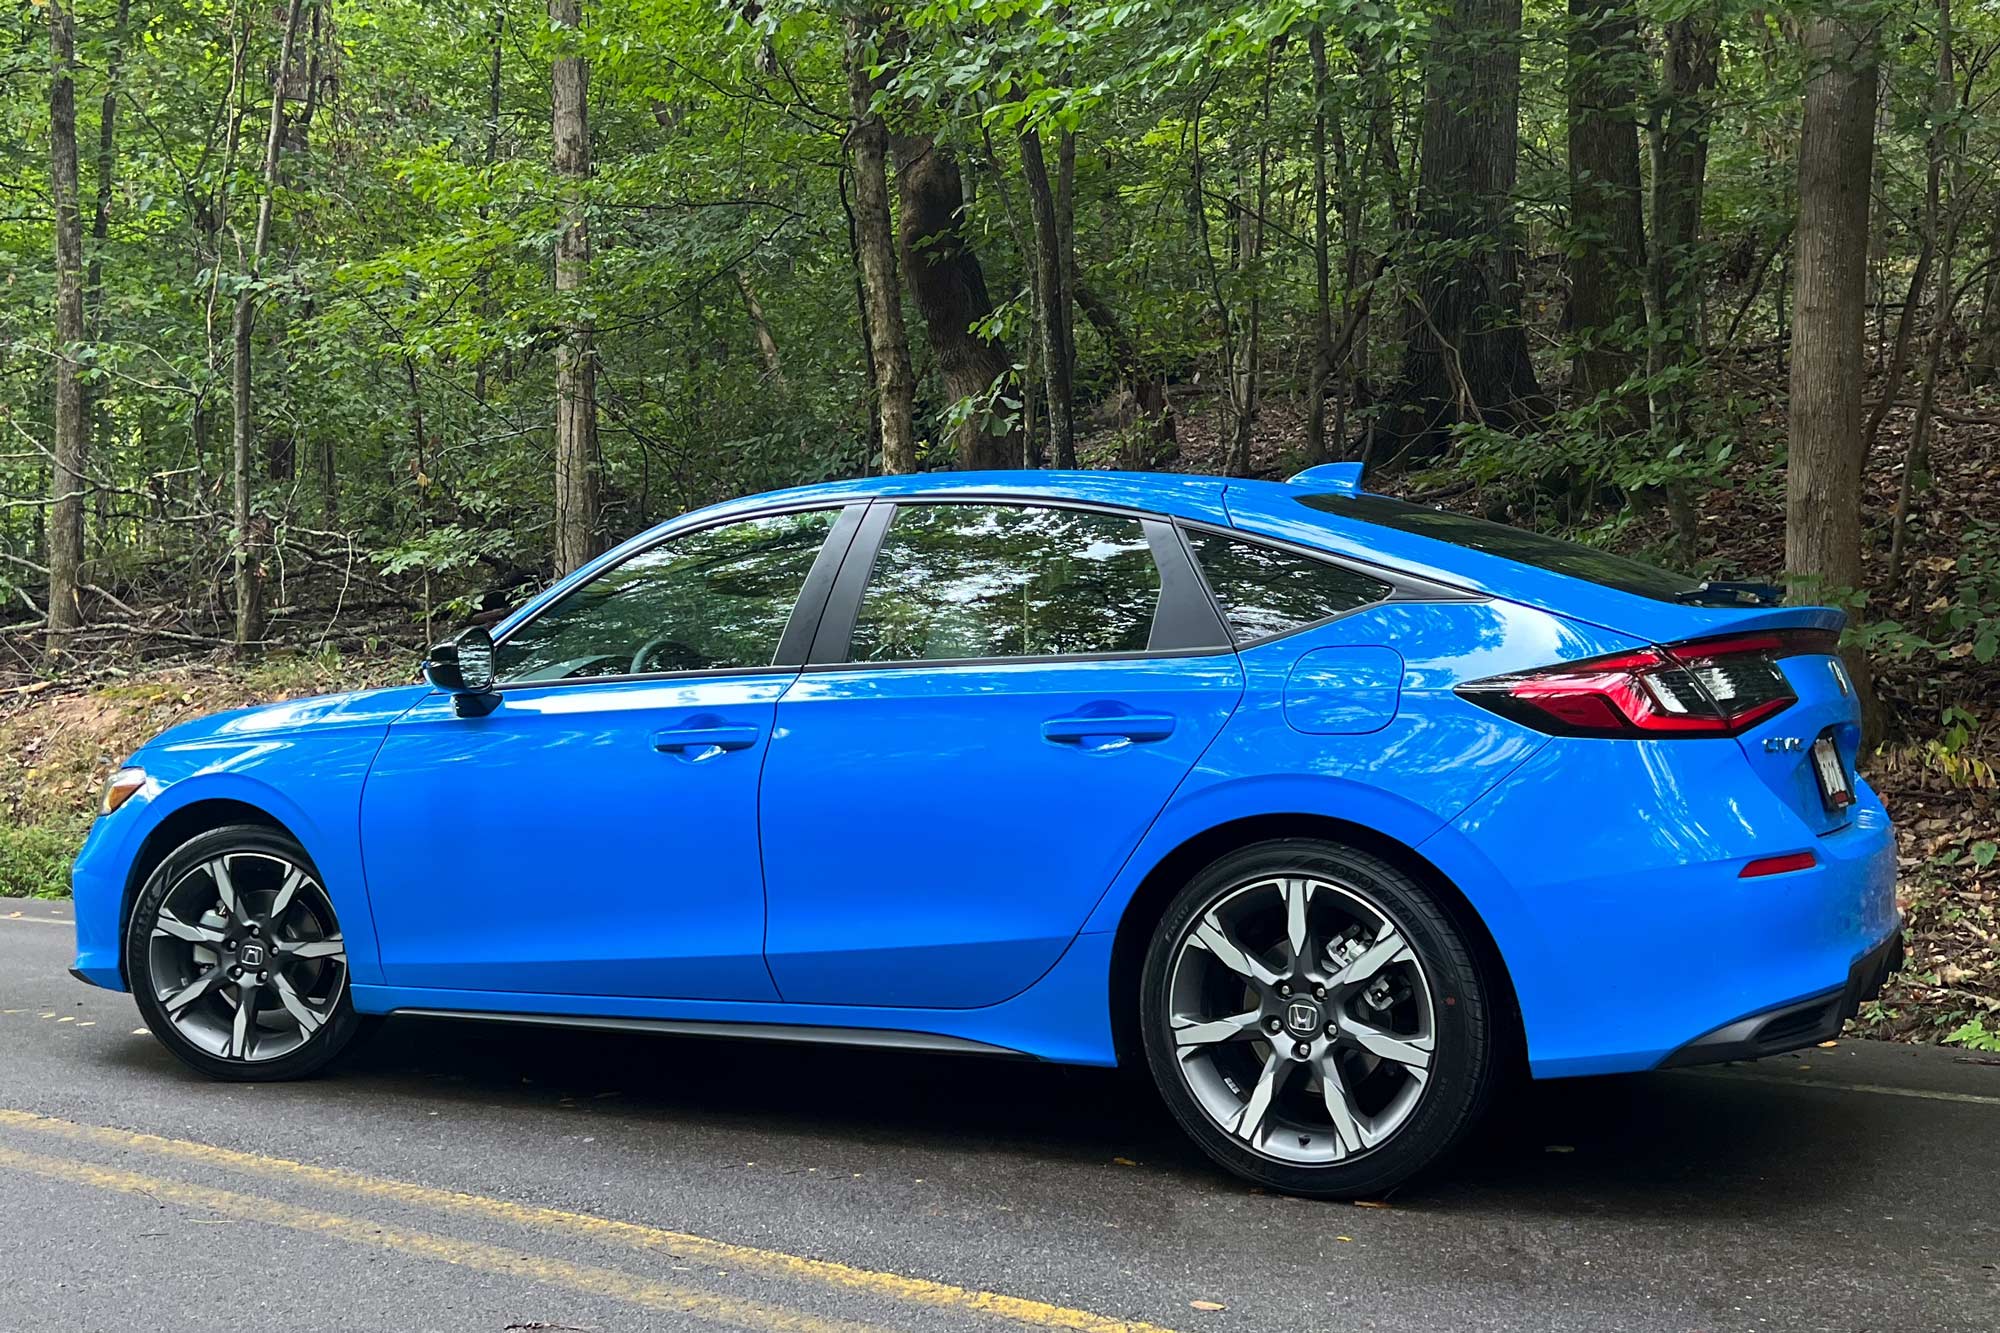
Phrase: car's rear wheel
{"type": "Point", "coordinates": [237, 960]}
{"type": "Point", "coordinates": [1314, 1019]}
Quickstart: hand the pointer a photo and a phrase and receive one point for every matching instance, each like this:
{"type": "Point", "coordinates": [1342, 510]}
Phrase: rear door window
{"type": "Point", "coordinates": [957, 582]}
{"type": "Point", "coordinates": [1265, 591]}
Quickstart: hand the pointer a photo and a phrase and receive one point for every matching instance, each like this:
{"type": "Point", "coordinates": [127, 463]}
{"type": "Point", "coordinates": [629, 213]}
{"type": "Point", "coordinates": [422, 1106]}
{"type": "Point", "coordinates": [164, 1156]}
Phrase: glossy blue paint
{"type": "Point", "coordinates": [953, 848]}
{"type": "Point", "coordinates": [1007, 835]}
{"type": "Point", "coordinates": [302, 763]}
{"type": "Point", "coordinates": [1344, 691]}
{"type": "Point", "coordinates": [585, 838]}
{"type": "Point", "coordinates": [1629, 931]}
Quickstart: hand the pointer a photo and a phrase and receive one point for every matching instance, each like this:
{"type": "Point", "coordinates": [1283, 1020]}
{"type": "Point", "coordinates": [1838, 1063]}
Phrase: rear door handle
{"type": "Point", "coordinates": [1128, 726]}
{"type": "Point", "coordinates": [683, 739]}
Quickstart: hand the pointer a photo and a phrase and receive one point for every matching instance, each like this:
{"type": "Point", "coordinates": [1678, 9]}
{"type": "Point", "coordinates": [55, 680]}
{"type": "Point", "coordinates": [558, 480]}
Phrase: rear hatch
{"type": "Point", "coordinates": [1773, 671]}
{"type": "Point", "coordinates": [1806, 752]}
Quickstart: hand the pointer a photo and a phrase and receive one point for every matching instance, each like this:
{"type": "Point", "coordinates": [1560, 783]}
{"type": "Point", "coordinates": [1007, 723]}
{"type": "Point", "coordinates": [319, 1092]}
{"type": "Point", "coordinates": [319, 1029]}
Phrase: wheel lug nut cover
{"type": "Point", "coordinates": [1302, 1050]}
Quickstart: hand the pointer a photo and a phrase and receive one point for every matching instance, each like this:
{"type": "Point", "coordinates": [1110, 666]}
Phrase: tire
{"type": "Point", "coordinates": [1383, 1055]}
{"type": "Point", "coordinates": [183, 938]}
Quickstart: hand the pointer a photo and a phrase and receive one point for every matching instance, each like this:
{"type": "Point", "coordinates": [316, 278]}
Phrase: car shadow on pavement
{"type": "Point", "coordinates": [1657, 1145]}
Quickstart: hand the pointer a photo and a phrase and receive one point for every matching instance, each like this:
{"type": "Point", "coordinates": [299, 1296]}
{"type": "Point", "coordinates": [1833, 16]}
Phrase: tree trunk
{"type": "Point", "coordinates": [1679, 177]}
{"type": "Point", "coordinates": [495, 52]}
{"type": "Point", "coordinates": [1148, 394]}
{"type": "Point", "coordinates": [887, 340]}
{"type": "Point", "coordinates": [577, 462]}
{"type": "Point", "coordinates": [1052, 312]}
{"type": "Point", "coordinates": [950, 290]}
{"type": "Point", "coordinates": [1245, 373]}
{"type": "Point", "coordinates": [66, 476]}
{"type": "Point", "coordinates": [1982, 366]}
{"type": "Point", "coordinates": [767, 346]}
{"type": "Point", "coordinates": [1607, 311]}
{"type": "Point", "coordinates": [249, 533]}
{"type": "Point", "coordinates": [1322, 248]}
{"type": "Point", "coordinates": [1466, 355]}
{"type": "Point", "coordinates": [100, 235]}
{"type": "Point", "coordinates": [1941, 215]}
{"type": "Point", "coordinates": [1824, 468]}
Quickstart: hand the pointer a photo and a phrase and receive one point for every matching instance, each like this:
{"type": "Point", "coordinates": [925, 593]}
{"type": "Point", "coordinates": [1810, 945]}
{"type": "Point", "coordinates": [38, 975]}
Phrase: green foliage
{"type": "Point", "coordinates": [35, 858]}
{"type": "Point", "coordinates": [1973, 1034]}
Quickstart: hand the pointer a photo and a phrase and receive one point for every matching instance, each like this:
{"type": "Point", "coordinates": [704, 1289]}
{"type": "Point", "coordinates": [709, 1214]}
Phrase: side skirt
{"type": "Point", "coordinates": [799, 1032]}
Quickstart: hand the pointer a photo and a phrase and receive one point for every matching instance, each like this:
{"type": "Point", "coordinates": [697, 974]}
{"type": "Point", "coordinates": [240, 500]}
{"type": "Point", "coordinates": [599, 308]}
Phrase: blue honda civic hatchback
{"type": "Point", "coordinates": [1323, 808]}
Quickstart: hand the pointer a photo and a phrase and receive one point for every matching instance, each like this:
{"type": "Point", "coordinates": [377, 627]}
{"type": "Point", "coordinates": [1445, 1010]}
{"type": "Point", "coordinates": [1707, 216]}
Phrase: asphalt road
{"type": "Point", "coordinates": [463, 1177]}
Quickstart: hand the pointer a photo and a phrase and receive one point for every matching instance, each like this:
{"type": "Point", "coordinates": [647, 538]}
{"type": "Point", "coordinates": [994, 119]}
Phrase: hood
{"type": "Point", "coordinates": [357, 710]}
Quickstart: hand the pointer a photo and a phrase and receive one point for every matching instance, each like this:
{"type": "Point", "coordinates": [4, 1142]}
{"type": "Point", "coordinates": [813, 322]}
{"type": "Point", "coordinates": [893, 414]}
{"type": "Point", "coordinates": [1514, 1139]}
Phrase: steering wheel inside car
{"type": "Point", "coordinates": [674, 655]}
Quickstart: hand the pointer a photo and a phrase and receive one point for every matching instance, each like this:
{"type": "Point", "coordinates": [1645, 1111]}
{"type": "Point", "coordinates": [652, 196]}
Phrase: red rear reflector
{"type": "Point", "coordinates": [1705, 687]}
{"type": "Point", "coordinates": [1778, 865]}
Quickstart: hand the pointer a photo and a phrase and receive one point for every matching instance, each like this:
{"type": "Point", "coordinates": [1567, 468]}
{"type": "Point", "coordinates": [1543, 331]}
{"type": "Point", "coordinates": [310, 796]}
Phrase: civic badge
{"type": "Point", "coordinates": [1840, 676]}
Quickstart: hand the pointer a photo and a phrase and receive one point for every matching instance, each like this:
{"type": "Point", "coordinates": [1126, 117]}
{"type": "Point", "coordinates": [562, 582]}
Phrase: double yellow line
{"type": "Point", "coordinates": [611, 1283]}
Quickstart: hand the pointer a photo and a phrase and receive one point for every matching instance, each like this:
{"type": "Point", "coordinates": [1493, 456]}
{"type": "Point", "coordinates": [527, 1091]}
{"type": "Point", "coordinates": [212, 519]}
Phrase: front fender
{"type": "Point", "coordinates": [309, 784]}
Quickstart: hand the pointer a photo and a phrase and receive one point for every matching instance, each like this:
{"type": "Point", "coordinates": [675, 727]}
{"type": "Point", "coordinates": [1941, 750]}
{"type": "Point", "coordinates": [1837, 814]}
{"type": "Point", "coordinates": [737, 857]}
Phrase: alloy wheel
{"type": "Point", "coordinates": [1302, 1020]}
{"type": "Point", "coordinates": [246, 957]}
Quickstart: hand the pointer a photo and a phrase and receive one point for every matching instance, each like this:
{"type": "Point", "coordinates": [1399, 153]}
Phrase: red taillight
{"type": "Point", "coordinates": [1778, 865]}
{"type": "Point", "coordinates": [1708, 687]}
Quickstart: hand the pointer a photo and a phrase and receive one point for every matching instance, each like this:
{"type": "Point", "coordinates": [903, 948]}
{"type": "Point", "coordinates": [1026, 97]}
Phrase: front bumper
{"type": "Point", "coordinates": [1806, 1022]}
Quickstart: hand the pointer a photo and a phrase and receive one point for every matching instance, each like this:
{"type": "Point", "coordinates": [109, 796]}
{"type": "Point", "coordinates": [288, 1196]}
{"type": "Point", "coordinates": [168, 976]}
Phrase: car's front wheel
{"type": "Point", "coordinates": [237, 960]}
{"type": "Point", "coordinates": [1314, 1019]}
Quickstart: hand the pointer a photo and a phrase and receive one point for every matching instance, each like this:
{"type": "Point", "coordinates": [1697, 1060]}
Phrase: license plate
{"type": "Point", "coordinates": [1835, 790]}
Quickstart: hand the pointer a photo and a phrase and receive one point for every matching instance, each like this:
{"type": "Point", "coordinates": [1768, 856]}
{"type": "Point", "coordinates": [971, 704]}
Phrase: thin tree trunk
{"type": "Point", "coordinates": [577, 462]}
{"type": "Point", "coordinates": [950, 290]}
{"type": "Point", "coordinates": [1148, 394]}
{"type": "Point", "coordinates": [767, 346]}
{"type": "Point", "coordinates": [1322, 247]}
{"type": "Point", "coordinates": [66, 476]}
{"type": "Point", "coordinates": [1941, 222]}
{"type": "Point", "coordinates": [1982, 366]}
{"type": "Point", "coordinates": [1245, 378]}
{"type": "Point", "coordinates": [249, 535]}
{"type": "Point", "coordinates": [1825, 463]}
{"type": "Point", "coordinates": [1466, 356]}
{"type": "Point", "coordinates": [495, 49]}
{"type": "Point", "coordinates": [100, 235]}
{"type": "Point", "coordinates": [870, 397]}
{"type": "Point", "coordinates": [1607, 257]}
{"type": "Point", "coordinates": [1051, 309]}
{"type": "Point", "coordinates": [888, 342]}
{"type": "Point", "coordinates": [1066, 277]}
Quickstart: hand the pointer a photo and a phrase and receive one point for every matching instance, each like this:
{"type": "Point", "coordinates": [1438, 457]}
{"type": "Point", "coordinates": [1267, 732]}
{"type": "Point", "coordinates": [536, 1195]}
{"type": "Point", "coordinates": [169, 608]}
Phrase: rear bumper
{"type": "Point", "coordinates": [1806, 1022]}
{"type": "Point", "coordinates": [1610, 876]}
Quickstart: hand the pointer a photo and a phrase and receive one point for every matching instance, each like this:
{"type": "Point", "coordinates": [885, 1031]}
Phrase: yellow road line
{"type": "Point", "coordinates": [702, 1249]}
{"type": "Point", "coordinates": [608, 1282]}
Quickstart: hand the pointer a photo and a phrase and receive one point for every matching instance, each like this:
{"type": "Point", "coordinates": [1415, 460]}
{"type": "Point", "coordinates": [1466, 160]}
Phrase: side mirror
{"type": "Point", "coordinates": [463, 668]}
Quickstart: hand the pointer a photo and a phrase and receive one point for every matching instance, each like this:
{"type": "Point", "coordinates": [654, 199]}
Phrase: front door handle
{"type": "Point", "coordinates": [681, 740]}
{"type": "Point", "coordinates": [1115, 726]}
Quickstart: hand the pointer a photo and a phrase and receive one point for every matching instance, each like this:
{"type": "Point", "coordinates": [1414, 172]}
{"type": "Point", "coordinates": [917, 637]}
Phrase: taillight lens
{"type": "Point", "coordinates": [1705, 687]}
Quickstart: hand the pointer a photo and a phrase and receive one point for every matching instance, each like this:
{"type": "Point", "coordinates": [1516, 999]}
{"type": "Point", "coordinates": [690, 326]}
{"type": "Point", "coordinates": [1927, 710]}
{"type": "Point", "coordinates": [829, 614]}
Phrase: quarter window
{"type": "Point", "coordinates": [1266, 591]}
{"type": "Point", "coordinates": [709, 601]}
{"type": "Point", "coordinates": [956, 581]}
